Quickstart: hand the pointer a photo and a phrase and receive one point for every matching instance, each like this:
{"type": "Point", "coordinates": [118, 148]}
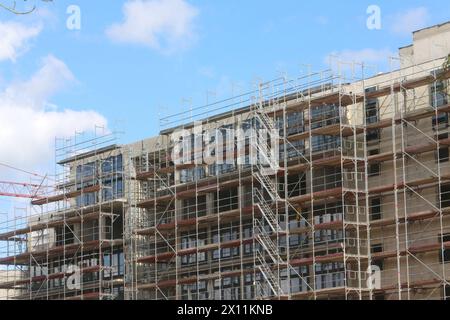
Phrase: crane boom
{"type": "Point", "coordinates": [20, 190]}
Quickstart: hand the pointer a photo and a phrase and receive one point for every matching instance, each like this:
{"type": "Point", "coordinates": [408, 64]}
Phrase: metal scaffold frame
{"type": "Point", "coordinates": [330, 185]}
{"type": "Point", "coordinates": [312, 237]}
{"type": "Point", "coordinates": [69, 251]}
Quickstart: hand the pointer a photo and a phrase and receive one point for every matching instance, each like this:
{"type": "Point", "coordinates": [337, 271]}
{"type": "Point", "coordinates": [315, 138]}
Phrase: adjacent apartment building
{"type": "Point", "coordinates": [330, 186]}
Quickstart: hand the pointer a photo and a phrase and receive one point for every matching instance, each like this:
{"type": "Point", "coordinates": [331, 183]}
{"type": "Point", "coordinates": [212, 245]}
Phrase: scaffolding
{"type": "Point", "coordinates": [67, 244]}
{"type": "Point", "coordinates": [347, 197]}
{"type": "Point", "coordinates": [332, 185]}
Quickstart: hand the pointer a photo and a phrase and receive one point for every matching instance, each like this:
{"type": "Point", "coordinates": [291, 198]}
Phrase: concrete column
{"type": "Point", "coordinates": [210, 203]}
{"type": "Point", "coordinates": [77, 233]}
{"type": "Point", "coordinates": [102, 228]}
{"type": "Point", "coordinates": [241, 196]}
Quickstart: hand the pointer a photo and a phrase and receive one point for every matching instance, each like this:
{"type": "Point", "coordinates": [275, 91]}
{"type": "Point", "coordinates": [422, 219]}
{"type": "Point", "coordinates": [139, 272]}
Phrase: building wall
{"type": "Point", "coordinates": [214, 213]}
{"type": "Point", "coordinates": [416, 167]}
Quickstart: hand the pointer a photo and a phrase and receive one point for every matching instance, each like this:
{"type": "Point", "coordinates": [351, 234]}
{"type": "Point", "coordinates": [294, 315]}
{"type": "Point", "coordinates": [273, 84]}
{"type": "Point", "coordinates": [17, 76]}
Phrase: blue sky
{"type": "Point", "coordinates": [127, 69]}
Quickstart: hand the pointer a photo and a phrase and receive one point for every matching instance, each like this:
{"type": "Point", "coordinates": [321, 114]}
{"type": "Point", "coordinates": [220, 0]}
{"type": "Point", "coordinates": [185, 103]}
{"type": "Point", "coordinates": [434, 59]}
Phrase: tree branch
{"type": "Point", "coordinates": [446, 65]}
{"type": "Point", "coordinates": [13, 7]}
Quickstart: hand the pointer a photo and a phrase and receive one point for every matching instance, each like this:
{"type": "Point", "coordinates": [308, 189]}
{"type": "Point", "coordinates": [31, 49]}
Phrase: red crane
{"type": "Point", "coordinates": [22, 189]}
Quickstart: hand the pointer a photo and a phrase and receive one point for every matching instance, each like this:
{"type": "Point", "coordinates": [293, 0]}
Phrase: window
{"type": "Point", "coordinates": [447, 293]}
{"type": "Point", "coordinates": [327, 178]}
{"type": "Point", "coordinates": [438, 92]}
{"type": "Point", "coordinates": [324, 116]}
{"type": "Point", "coordinates": [295, 124]}
{"type": "Point", "coordinates": [373, 135]}
{"type": "Point", "coordinates": [325, 143]}
{"type": "Point", "coordinates": [248, 249]}
{"type": "Point", "coordinates": [86, 171]}
{"type": "Point", "coordinates": [443, 152]}
{"type": "Point", "coordinates": [372, 111]}
{"type": "Point", "coordinates": [112, 188]}
{"type": "Point", "coordinates": [377, 248]}
{"type": "Point", "coordinates": [294, 150]}
{"type": "Point", "coordinates": [86, 199]}
{"type": "Point", "coordinates": [325, 214]}
{"type": "Point", "coordinates": [379, 296]}
{"type": "Point", "coordinates": [374, 169]}
{"type": "Point", "coordinates": [64, 235]}
{"type": "Point", "coordinates": [445, 195]}
{"type": "Point", "coordinates": [191, 175]}
{"type": "Point", "coordinates": [226, 252]}
{"type": "Point", "coordinates": [296, 185]}
{"type": "Point", "coordinates": [375, 204]}
{"type": "Point", "coordinates": [226, 200]}
{"type": "Point", "coordinates": [371, 89]}
{"type": "Point", "coordinates": [56, 282]}
{"type": "Point", "coordinates": [441, 121]}
{"type": "Point", "coordinates": [112, 165]}
{"type": "Point", "coordinates": [443, 136]}
{"type": "Point", "coordinates": [330, 275]}
{"type": "Point", "coordinates": [118, 227]}
{"type": "Point", "coordinates": [445, 254]}
{"type": "Point", "coordinates": [247, 229]}
{"type": "Point", "coordinates": [443, 155]}
{"type": "Point", "coordinates": [248, 278]}
{"type": "Point", "coordinates": [196, 291]}
{"type": "Point", "coordinates": [191, 240]}
{"type": "Point", "coordinates": [194, 207]}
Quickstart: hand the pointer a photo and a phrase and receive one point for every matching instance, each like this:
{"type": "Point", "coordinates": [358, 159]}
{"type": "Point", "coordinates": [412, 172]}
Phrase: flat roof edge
{"type": "Point", "coordinates": [89, 154]}
{"type": "Point", "coordinates": [439, 25]}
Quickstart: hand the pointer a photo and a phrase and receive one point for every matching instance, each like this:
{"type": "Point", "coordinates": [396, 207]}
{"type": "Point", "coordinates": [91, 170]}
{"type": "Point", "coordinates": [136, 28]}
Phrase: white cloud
{"type": "Point", "coordinates": [53, 76]}
{"type": "Point", "coordinates": [165, 25]}
{"type": "Point", "coordinates": [404, 23]}
{"type": "Point", "coordinates": [15, 39]}
{"type": "Point", "coordinates": [28, 126]}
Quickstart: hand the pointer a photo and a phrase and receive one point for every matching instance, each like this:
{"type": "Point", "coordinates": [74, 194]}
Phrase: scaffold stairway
{"type": "Point", "coordinates": [268, 275]}
{"type": "Point", "coordinates": [267, 243]}
{"type": "Point", "coordinates": [267, 184]}
{"type": "Point", "coordinates": [267, 212]}
{"type": "Point", "coordinates": [264, 119]}
{"type": "Point", "coordinates": [271, 160]}
{"type": "Point", "coordinates": [267, 253]}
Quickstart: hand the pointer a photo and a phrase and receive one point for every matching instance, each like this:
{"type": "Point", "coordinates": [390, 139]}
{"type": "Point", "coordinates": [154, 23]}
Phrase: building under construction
{"type": "Point", "coordinates": [332, 185]}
